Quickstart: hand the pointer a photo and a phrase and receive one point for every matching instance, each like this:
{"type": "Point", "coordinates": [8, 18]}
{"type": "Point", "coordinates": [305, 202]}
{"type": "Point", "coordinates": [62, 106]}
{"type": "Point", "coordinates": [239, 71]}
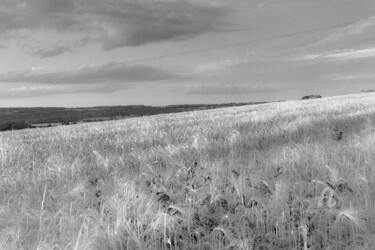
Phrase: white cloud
{"type": "Point", "coordinates": [34, 69]}
{"type": "Point", "coordinates": [342, 54]}
{"type": "Point", "coordinates": [358, 76]}
{"type": "Point", "coordinates": [48, 90]}
{"type": "Point", "coordinates": [32, 88]}
{"type": "Point", "coordinates": [352, 54]}
{"type": "Point", "coordinates": [222, 64]}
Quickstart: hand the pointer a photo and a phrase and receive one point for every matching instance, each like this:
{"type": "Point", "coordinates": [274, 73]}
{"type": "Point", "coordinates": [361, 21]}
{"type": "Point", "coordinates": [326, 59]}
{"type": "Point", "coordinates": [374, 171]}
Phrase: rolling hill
{"type": "Point", "coordinates": [289, 175]}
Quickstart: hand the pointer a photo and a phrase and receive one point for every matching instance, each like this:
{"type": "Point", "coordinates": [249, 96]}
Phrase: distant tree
{"type": "Point", "coordinates": [311, 97]}
{"type": "Point", "coordinates": [20, 125]}
{"type": "Point", "coordinates": [15, 126]}
{"type": "Point", "coordinates": [5, 127]}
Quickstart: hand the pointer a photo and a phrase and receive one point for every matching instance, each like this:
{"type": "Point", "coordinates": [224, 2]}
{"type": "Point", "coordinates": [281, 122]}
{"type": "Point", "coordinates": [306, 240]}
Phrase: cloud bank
{"type": "Point", "coordinates": [108, 73]}
{"type": "Point", "coordinates": [226, 89]}
{"type": "Point", "coordinates": [113, 23]}
{"type": "Point", "coordinates": [343, 54]}
{"type": "Point", "coordinates": [100, 79]}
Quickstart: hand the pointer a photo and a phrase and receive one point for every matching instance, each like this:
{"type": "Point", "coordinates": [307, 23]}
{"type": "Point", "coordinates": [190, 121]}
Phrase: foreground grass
{"type": "Point", "coordinates": [293, 175]}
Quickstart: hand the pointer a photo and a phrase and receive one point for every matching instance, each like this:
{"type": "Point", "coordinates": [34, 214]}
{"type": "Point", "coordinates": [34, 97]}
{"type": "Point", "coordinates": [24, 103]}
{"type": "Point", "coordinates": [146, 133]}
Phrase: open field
{"type": "Point", "coordinates": [291, 175]}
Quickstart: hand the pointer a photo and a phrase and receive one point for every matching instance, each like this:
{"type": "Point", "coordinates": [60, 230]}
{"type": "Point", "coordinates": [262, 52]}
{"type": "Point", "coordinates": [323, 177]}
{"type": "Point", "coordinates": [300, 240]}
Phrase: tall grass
{"type": "Point", "coordinates": [292, 175]}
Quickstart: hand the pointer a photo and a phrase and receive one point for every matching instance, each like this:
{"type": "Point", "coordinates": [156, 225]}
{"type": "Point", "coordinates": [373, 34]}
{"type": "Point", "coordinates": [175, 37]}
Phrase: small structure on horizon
{"type": "Point", "coordinates": [311, 97]}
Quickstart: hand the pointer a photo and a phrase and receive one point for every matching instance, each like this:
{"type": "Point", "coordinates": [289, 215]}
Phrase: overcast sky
{"type": "Point", "coordinates": [161, 52]}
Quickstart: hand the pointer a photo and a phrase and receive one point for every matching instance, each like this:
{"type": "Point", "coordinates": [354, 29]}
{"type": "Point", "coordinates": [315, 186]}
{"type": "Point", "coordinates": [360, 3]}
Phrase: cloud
{"type": "Point", "coordinates": [352, 54]}
{"type": "Point", "coordinates": [351, 77]}
{"type": "Point", "coordinates": [218, 65]}
{"type": "Point", "coordinates": [226, 89]}
{"type": "Point", "coordinates": [277, 74]}
{"type": "Point", "coordinates": [53, 51]}
{"type": "Point", "coordinates": [342, 55]}
{"type": "Point", "coordinates": [358, 30]}
{"type": "Point", "coordinates": [357, 36]}
{"type": "Point", "coordinates": [103, 74]}
{"type": "Point", "coordinates": [3, 46]}
{"type": "Point", "coordinates": [49, 90]}
{"type": "Point", "coordinates": [32, 88]}
{"type": "Point", "coordinates": [160, 21]}
{"type": "Point", "coordinates": [102, 79]}
{"type": "Point", "coordinates": [37, 14]}
{"type": "Point", "coordinates": [114, 23]}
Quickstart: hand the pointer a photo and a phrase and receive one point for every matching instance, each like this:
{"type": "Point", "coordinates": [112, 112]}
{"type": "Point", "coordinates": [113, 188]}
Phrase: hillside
{"type": "Point", "coordinates": [290, 175]}
{"type": "Point", "coordinates": [21, 118]}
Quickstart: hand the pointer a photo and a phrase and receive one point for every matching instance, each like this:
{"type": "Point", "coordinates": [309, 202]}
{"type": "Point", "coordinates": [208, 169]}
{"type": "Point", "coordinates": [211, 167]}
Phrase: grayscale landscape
{"type": "Point", "coordinates": [187, 124]}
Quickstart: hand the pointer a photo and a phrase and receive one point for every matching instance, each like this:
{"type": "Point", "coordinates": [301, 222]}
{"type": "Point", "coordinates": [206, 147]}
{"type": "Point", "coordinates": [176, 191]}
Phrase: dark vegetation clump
{"type": "Point", "coordinates": [311, 97]}
{"type": "Point", "coordinates": [337, 134]}
{"type": "Point", "coordinates": [15, 126]}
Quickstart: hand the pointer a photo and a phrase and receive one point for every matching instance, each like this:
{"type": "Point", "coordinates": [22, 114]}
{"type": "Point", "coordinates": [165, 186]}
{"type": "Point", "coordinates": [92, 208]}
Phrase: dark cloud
{"type": "Point", "coordinates": [114, 23]}
{"type": "Point", "coordinates": [103, 74]}
{"type": "Point", "coordinates": [136, 23]}
{"type": "Point", "coordinates": [58, 15]}
{"type": "Point", "coordinates": [53, 51]}
{"type": "Point", "coordinates": [3, 46]}
{"type": "Point", "coordinates": [52, 6]}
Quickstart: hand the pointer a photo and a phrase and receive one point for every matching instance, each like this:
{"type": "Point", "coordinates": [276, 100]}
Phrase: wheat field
{"type": "Point", "coordinates": [288, 175]}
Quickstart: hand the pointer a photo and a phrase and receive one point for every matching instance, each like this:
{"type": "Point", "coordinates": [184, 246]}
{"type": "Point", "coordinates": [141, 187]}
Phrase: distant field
{"type": "Point", "coordinates": [290, 175]}
{"type": "Point", "coordinates": [38, 115]}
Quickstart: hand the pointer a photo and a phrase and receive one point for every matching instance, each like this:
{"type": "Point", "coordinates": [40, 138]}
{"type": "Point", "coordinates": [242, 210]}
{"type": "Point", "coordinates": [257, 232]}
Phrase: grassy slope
{"type": "Point", "coordinates": [245, 177]}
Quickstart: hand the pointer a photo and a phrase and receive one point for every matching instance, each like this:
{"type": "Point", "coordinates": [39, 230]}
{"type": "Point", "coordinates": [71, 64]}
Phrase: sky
{"type": "Point", "coordinates": [76, 53]}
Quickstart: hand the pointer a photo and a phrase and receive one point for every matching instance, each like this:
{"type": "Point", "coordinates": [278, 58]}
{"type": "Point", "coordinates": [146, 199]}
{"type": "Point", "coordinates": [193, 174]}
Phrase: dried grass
{"type": "Point", "coordinates": [269, 176]}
